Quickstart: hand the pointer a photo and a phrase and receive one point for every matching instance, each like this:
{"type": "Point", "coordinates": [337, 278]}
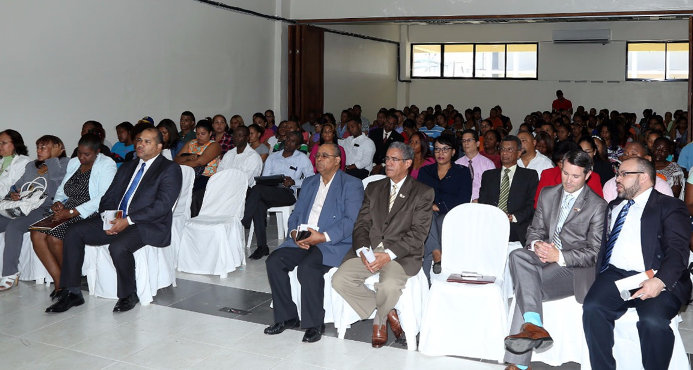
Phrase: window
{"type": "Point", "coordinates": [494, 61]}
{"type": "Point", "coordinates": [657, 61]}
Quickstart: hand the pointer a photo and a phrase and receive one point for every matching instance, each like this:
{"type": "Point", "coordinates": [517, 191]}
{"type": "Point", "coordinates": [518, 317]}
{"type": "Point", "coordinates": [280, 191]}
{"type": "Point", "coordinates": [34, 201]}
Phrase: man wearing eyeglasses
{"type": "Point", "coordinates": [644, 231]}
{"type": "Point", "coordinates": [394, 220]}
{"type": "Point", "coordinates": [635, 150]}
{"type": "Point", "coordinates": [330, 201]}
{"type": "Point", "coordinates": [511, 188]}
{"type": "Point", "coordinates": [477, 163]}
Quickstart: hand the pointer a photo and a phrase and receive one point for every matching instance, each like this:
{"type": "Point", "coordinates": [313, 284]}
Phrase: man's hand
{"type": "Point", "coordinates": [546, 252]}
{"type": "Point", "coordinates": [510, 217]}
{"type": "Point", "coordinates": [14, 196]}
{"type": "Point", "coordinates": [288, 182]}
{"type": "Point", "coordinates": [350, 167]}
{"type": "Point", "coordinates": [435, 208]}
{"type": "Point", "coordinates": [650, 288]}
{"type": "Point", "coordinates": [381, 259]}
{"type": "Point", "coordinates": [315, 238]}
{"type": "Point", "coordinates": [119, 224]}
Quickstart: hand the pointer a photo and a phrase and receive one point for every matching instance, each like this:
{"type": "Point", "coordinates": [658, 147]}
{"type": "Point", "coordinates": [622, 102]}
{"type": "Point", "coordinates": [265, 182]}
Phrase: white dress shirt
{"type": "Point", "coordinates": [359, 151]}
{"type": "Point", "coordinates": [627, 252]}
{"type": "Point", "coordinates": [539, 163]}
{"type": "Point", "coordinates": [248, 162]}
{"type": "Point", "coordinates": [319, 202]}
{"type": "Point", "coordinates": [147, 165]}
{"type": "Point", "coordinates": [297, 166]}
{"type": "Point", "coordinates": [399, 187]}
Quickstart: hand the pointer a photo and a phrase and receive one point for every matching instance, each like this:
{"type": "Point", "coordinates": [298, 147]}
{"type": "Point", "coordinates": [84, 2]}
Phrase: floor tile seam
{"type": "Point", "coordinates": [126, 363]}
{"type": "Point", "coordinates": [45, 326]}
{"type": "Point", "coordinates": [206, 288]}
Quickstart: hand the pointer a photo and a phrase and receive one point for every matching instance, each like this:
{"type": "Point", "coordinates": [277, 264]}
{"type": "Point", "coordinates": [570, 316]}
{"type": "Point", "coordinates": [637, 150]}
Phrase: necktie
{"type": "Point", "coordinates": [393, 195]}
{"type": "Point", "coordinates": [565, 210]}
{"type": "Point", "coordinates": [613, 236]}
{"type": "Point", "coordinates": [386, 136]}
{"type": "Point", "coordinates": [471, 169]}
{"type": "Point", "coordinates": [130, 191]}
{"type": "Point", "coordinates": [504, 191]}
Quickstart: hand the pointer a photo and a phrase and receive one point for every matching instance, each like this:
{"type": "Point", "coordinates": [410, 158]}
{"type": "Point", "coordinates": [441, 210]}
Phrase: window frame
{"type": "Point", "coordinates": [666, 47]}
{"type": "Point", "coordinates": [474, 47]}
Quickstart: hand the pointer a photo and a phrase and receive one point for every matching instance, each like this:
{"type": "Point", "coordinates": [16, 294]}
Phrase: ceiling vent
{"type": "Point", "coordinates": [593, 36]}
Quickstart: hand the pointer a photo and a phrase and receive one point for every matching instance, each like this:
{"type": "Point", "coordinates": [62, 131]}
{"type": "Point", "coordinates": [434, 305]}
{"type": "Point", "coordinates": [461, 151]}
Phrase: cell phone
{"type": "Point", "coordinates": [300, 235]}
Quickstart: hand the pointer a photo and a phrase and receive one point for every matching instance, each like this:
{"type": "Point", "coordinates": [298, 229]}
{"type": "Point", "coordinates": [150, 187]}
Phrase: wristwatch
{"type": "Point", "coordinates": [72, 211]}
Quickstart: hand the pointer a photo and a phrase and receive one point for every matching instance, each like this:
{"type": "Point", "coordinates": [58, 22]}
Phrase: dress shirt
{"type": "Point", "coordinates": [147, 165]}
{"type": "Point", "coordinates": [359, 151]}
{"type": "Point", "coordinates": [539, 163]}
{"type": "Point", "coordinates": [686, 157]}
{"type": "Point", "coordinates": [248, 162]}
{"type": "Point", "coordinates": [399, 187]}
{"type": "Point", "coordinates": [479, 164]}
{"type": "Point", "coordinates": [297, 166]}
{"type": "Point", "coordinates": [318, 202]}
{"type": "Point", "coordinates": [627, 252]}
{"type": "Point", "coordinates": [575, 194]}
{"type": "Point", "coordinates": [610, 192]}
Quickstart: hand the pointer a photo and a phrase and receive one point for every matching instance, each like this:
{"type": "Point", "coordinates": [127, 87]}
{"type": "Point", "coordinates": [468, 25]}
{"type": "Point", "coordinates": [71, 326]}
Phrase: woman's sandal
{"type": "Point", "coordinates": [8, 282]}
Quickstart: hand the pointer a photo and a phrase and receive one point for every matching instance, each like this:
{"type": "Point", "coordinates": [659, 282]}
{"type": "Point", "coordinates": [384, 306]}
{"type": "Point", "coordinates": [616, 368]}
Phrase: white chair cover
{"type": "Point", "coordinates": [282, 214]}
{"type": "Point", "coordinates": [181, 214]}
{"type": "Point", "coordinates": [212, 242]}
{"type": "Point", "coordinates": [372, 178]}
{"type": "Point", "coordinates": [409, 308]}
{"type": "Point", "coordinates": [482, 249]}
{"type": "Point", "coordinates": [30, 267]}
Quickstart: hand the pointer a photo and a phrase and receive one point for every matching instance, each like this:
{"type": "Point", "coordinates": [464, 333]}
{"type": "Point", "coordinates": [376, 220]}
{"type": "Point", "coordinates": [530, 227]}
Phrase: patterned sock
{"type": "Point", "coordinates": [523, 367]}
{"type": "Point", "coordinates": [533, 317]}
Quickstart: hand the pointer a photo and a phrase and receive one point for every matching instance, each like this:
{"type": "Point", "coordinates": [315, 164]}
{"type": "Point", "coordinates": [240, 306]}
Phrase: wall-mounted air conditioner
{"type": "Point", "coordinates": [591, 36]}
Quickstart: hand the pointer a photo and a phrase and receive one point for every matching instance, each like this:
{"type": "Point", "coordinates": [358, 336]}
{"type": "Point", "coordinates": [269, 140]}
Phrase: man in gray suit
{"type": "Point", "coordinates": [559, 259]}
{"type": "Point", "coordinates": [394, 219]}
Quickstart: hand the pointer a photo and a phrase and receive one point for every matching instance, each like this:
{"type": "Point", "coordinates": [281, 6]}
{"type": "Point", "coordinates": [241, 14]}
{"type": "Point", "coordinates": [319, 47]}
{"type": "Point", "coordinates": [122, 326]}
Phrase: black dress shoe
{"type": "Point", "coordinates": [314, 334]}
{"type": "Point", "coordinates": [127, 303]}
{"type": "Point", "coordinates": [65, 301]}
{"type": "Point", "coordinates": [437, 268]}
{"type": "Point", "coordinates": [279, 327]}
{"type": "Point", "coordinates": [259, 253]}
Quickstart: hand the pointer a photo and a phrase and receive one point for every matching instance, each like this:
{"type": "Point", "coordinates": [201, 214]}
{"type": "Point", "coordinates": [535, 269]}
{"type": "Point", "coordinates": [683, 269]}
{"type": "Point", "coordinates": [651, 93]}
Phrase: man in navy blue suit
{"type": "Point", "coordinates": [644, 230]}
{"type": "Point", "coordinates": [145, 190]}
{"type": "Point", "coordinates": [330, 201]}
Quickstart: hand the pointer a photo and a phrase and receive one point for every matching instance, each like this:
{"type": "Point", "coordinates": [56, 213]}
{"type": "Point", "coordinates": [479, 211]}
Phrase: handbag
{"type": "Point", "coordinates": [31, 196]}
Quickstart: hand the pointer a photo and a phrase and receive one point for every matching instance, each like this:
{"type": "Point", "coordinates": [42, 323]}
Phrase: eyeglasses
{"type": "Point", "coordinates": [324, 155]}
{"type": "Point", "coordinates": [465, 141]}
{"type": "Point", "coordinates": [509, 150]}
{"type": "Point", "coordinates": [443, 150]}
{"type": "Point", "coordinates": [626, 173]}
{"type": "Point", "coordinates": [394, 159]}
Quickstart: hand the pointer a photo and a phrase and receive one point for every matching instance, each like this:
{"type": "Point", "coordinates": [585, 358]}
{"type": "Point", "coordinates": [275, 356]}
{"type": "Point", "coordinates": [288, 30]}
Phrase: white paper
{"type": "Point", "coordinates": [632, 282]}
{"type": "Point", "coordinates": [368, 253]}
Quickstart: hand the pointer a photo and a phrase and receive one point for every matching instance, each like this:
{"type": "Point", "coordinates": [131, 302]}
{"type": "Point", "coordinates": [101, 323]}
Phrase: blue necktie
{"type": "Point", "coordinates": [613, 236]}
{"type": "Point", "coordinates": [131, 190]}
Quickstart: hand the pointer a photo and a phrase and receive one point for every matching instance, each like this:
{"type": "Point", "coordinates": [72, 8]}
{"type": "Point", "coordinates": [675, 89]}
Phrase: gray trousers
{"type": "Point", "coordinates": [14, 230]}
{"type": "Point", "coordinates": [348, 282]}
{"type": "Point", "coordinates": [535, 282]}
{"type": "Point", "coordinates": [433, 242]}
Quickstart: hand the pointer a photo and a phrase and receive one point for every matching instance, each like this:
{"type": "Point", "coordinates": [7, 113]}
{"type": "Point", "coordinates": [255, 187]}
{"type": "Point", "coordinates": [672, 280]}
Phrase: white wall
{"type": "Point", "coordinates": [319, 9]}
{"type": "Point", "coordinates": [64, 62]}
{"type": "Point", "coordinates": [359, 71]}
{"type": "Point", "coordinates": [560, 67]}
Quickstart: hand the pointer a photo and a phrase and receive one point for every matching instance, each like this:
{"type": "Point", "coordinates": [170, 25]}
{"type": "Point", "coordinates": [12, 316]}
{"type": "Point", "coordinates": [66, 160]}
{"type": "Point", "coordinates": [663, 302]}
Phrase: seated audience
{"type": "Point", "coordinates": [290, 126]}
{"type": "Point", "coordinates": [646, 231]}
{"type": "Point", "coordinates": [295, 166]}
{"type": "Point", "coordinates": [260, 120]}
{"type": "Point", "coordinates": [491, 146]}
{"type": "Point", "coordinates": [258, 146]}
{"type": "Point", "coordinates": [172, 143]}
{"type": "Point", "coordinates": [202, 154]}
{"type": "Point", "coordinates": [396, 231]}
{"type": "Point", "coordinates": [663, 148]}
{"type": "Point", "coordinates": [77, 198]}
{"type": "Point", "coordinates": [50, 164]}
{"type": "Point", "coordinates": [125, 143]}
{"type": "Point", "coordinates": [187, 127]}
{"type": "Point", "coordinates": [14, 159]}
{"type": "Point", "coordinates": [422, 157]}
{"type": "Point", "coordinates": [472, 159]}
{"type": "Point", "coordinates": [610, 134]}
{"type": "Point", "coordinates": [600, 167]}
{"type": "Point", "coordinates": [531, 158]}
{"type": "Point", "coordinates": [359, 150]}
{"type": "Point", "coordinates": [237, 120]}
{"type": "Point", "coordinates": [635, 150]}
{"type": "Point", "coordinates": [382, 137]}
{"type": "Point", "coordinates": [559, 255]}
{"type": "Point", "coordinates": [95, 128]}
{"type": "Point", "coordinates": [221, 134]}
{"type": "Point", "coordinates": [511, 188]}
{"type": "Point", "coordinates": [328, 135]}
{"type": "Point", "coordinates": [147, 215]}
{"type": "Point", "coordinates": [340, 197]}
{"type": "Point", "coordinates": [432, 129]}
{"type": "Point", "coordinates": [452, 184]}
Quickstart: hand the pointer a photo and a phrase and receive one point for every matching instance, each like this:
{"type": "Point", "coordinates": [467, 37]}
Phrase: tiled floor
{"type": "Point", "coordinates": [186, 328]}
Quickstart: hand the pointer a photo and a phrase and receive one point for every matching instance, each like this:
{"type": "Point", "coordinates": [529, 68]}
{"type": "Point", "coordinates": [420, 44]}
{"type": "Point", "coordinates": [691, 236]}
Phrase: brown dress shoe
{"type": "Point", "coordinates": [393, 320]}
{"type": "Point", "coordinates": [529, 338]}
{"type": "Point", "coordinates": [379, 336]}
{"type": "Point", "coordinates": [514, 367]}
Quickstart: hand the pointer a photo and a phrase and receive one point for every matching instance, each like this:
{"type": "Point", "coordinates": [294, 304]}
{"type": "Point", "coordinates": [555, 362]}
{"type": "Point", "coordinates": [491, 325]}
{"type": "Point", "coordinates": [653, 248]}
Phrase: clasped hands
{"type": "Point", "coordinates": [315, 238]}
{"type": "Point", "coordinates": [547, 252]}
{"type": "Point", "coordinates": [119, 224]}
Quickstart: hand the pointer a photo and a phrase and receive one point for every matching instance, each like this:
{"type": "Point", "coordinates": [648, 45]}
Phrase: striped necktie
{"type": "Point", "coordinates": [471, 169]}
{"type": "Point", "coordinates": [393, 195]}
{"type": "Point", "coordinates": [504, 191]}
{"type": "Point", "coordinates": [126, 198]}
{"type": "Point", "coordinates": [613, 236]}
{"type": "Point", "coordinates": [565, 210]}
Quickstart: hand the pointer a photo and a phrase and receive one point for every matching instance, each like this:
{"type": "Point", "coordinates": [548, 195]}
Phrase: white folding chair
{"type": "Point", "coordinates": [372, 178]}
{"type": "Point", "coordinates": [409, 308]}
{"type": "Point", "coordinates": [30, 267]}
{"type": "Point", "coordinates": [475, 239]}
{"type": "Point", "coordinates": [212, 242]}
{"type": "Point", "coordinates": [282, 214]}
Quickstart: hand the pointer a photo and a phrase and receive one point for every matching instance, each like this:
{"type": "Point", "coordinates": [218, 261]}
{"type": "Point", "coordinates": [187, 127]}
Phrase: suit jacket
{"type": "Point", "coordinates": [337, 217]}
{"type": "Point", "coordinates": [664, 233]}
{"type": "Point", "coordinates": [403, 230]}
{"type": "Point", "coordinates": [581, 234]}
{"type": "Point", "coordinates": [381, 146]}
{"type": "Point", "coordinates": [520, 198]}
{"type": "Point", "coordinates": [151, 205]}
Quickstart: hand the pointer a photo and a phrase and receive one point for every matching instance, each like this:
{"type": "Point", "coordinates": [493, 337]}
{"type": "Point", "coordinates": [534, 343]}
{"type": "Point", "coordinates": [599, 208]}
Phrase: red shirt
{"type": "Point", "coordinates": [494, 158]}
{"type": "Point", "coordinates": [552, 176]}
{"type": "Point", "coordinates": [564, 104]}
